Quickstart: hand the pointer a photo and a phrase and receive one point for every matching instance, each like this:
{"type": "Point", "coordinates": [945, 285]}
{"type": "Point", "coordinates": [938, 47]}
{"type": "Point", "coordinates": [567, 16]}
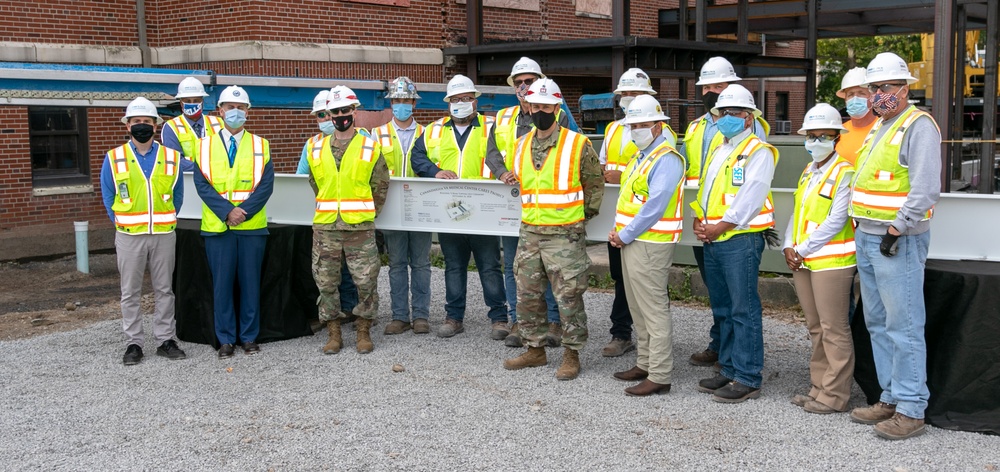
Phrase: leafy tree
{"type": "Point", "coordinates": [834, 57]}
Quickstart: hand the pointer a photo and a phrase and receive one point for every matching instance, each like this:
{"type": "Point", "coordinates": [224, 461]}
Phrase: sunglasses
{"type": "Point", "coordinates": [323, 115]}
{"type": "Point", "coordinates": [735, 112]}
{"type": "Point", "coordinates": [885, 88]}
{"type": "Point", "coordinates": [461, 99]}
{"type": "Point", "coordinates": [823, 138]}
{"type": "Point", "coordinates": [341, 111]}
{"type": "Point", "coordinates": [518, 82]}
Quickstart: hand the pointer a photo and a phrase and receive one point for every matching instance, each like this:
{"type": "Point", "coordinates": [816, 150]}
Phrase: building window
{"type": "Point", "coordinates": [781, 106]}
{"type": "Point", "coordinates": [59, 152]}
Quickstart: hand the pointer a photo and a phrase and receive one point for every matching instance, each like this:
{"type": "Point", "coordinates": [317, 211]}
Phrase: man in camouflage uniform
{"type": "Point", "coordinates": [344, 224]}
{"type": "Point", "coordinates": [555, 208]}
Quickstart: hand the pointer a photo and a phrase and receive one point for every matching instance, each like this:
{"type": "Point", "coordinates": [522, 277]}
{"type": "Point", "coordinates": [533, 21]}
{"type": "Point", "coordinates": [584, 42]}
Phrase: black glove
{"type": "Point", "coordinates": [888, 246]}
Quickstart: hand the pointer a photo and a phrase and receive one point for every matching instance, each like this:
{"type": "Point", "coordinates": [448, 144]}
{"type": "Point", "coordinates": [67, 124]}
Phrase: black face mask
{"type": "Point", "coordinates": [543, 120]}
{"type": "Point", "coordinates": [141, 132]}
{"type": "Point", "coordinates": [708, 99]}
{"type": "Point", "coordinates": [343, 123]}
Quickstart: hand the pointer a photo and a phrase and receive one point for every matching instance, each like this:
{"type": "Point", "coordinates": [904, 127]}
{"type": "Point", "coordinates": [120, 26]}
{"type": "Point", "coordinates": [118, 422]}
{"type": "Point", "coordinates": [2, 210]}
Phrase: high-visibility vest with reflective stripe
{"type": "Point", "coordinates": [506, 132]}
{"type": "Point", "coordinates": [618, 154]}
{"type": "Point", "coordinates": [345, 190]}
{"type": "Point", "coordinates": [635, 191]}
{"type": "Point", "coordinates": [468, 162]}
{"type": "Point", "coordinates": [187, 137]}
{"type": "Point", "coordinates": [396, 157]}
{"type": "Point", "coordinates": [233, 183]}
{"type": "Point", "coordinates": [723, 191]}
{"type": "Point", "coordinates": [147, 206]}
{"type": "Point", "coordinates": [551, 195]}
{"type": "Point", "coordinates": [694, 142]}
{"type": "Point", "coordinates": [812, 209]}
{"type": "Point", "coordinates": [881, 183]}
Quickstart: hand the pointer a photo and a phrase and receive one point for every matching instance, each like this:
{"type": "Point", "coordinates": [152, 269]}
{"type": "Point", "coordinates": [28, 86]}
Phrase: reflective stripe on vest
{"type": "Point", "coordinates": [551, 195]}
{"type": "Point", "coordinates": [148, 206]}
{"type": "Point", "coordinates": [506, 133]}
{"type": "Point", "coordinates": [186, 136]}
{"type": "Point", "coordinates": [344, 190]}
{"type": "Point", "coordinates": [617, 155]}
{"type": "Point", "coordinates": [812, 209]}
{"type": "Point", "coordinates": [392, 149]}
{"type": "Point", "coordinates": [694, 142]}
{"type": "Point", "coordinates": [635, 191]}
{"type": "Point", "coordinates": [235, 183]}
{"type": "Point", "coordinates": [469, 162]}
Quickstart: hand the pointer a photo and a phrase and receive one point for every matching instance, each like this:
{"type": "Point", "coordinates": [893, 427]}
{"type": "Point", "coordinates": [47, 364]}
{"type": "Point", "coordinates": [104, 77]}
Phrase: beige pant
{"type": "Point", "coordinates": [136, 252]}
{"type": "Point", "coordinates": [645, 269]}
{"type": "Point", "coordinates": [825, 299]}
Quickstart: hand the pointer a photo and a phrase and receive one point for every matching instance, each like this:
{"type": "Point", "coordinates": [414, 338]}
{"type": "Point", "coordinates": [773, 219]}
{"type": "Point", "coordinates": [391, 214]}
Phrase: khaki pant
{"type": "Point", "coordinates": [136, 252]}
{"type": "Point", "coordinates": [645, 268]}
{"type": "Point", "coordinates": [825, 300]}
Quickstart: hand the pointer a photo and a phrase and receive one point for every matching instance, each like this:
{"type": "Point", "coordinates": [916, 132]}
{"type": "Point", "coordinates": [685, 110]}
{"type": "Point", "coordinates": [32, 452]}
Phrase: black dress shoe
{"type": "Point", "coordinates": [250, 348]}
{"type": "Point", "coordinates": [713, 384]}
{"type": "Point", "coordinates": [225, 351]}
{"type": "Point", "coordinates": [133, 355]}
{"type": "Point", "coordinates": [646, 388]}
{"type": "Point", "coordinates": [631, 375]}
{"type": "Point", "coordinates": [170, 350]}
{"type": "Point", "coordinates": [735, 392]}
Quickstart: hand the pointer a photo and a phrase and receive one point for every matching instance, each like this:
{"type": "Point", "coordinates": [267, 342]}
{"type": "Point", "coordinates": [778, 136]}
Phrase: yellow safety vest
{"type": "Point", "coordinates": [141, 205]}
{"type": "Point", "coordinates": [724, 189]}
{"type": "Point", "coordinates": [881, 183]}
{"type": "Point", "coordinates": [346, 190]}
{"type": "Point", "coordinates": [812, 209]}
{"type": "Point", "coordinates": [468, 162]}
{"type": "Point", "coordinates": [618, 153]}
{"type": "Point", "coordinates": [396, 158]}
{"type": "Point", "coordinates": [187, 137]}
{"type": "Point", "coordinates": [635, 191]}
{"type": "Point", "coordinates": [694, 142]}
{"type": "Point", "coordinates": [233, 183]}
{"type": "Point", "coordinates": [551, 195]}
{"type": "Point", "coordinates": [506, 132]}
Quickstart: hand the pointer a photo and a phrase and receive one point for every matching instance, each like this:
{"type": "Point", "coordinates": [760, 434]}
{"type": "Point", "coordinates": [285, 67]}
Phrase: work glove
{"type": "Point", "coordinates": [888, 246]}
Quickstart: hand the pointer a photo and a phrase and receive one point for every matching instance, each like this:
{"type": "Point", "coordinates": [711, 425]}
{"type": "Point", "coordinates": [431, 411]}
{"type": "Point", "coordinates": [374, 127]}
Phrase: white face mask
{"type": "Point", "coordinates": [818, 150]}
{"type": "Point", "coordinates": [461, 109]}
{"type": "Point", "coordinates": [642, 137]}
{"type": "Point", "coordinates": [625, 102]}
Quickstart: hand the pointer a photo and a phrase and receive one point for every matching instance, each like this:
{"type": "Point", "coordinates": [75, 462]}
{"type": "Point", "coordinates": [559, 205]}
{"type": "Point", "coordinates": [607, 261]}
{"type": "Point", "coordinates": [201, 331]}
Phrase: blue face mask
{"type": "Point", "coordinates": [326, 127]}
{"type": "Point", "coordinates": [730, 126]}
{"type": "Point", "coordinates": [402, 111]}
{"type": "Point", "coordinates": [857, 107]}
{"type": "Point", "coordinates": [235, 118]}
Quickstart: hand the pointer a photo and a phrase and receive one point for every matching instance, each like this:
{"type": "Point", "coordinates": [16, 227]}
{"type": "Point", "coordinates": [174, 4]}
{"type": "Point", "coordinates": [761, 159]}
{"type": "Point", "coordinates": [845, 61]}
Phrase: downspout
{"type": "Point", "coordinates": [140, 18]}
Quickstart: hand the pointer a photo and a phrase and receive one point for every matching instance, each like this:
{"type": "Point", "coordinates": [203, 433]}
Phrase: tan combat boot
{"type": "Point", "coordinates": [364, 335]}
{"type": "Point", "coordinates": [535, 357]}
{"type": "Point", "coordinates": [335, 342]}
{"type": "Point", "coordinates": [570, 367]}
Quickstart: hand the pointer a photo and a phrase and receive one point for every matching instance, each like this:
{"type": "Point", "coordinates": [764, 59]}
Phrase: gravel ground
{"type": "Point", "coordinates": [69, 404]}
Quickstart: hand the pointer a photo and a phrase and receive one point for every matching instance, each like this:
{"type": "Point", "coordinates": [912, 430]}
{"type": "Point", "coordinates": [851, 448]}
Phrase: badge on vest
{"type": "Point", "coordinates": [738, 171]}
{"type": "Point", "coordinates": [123, 190]}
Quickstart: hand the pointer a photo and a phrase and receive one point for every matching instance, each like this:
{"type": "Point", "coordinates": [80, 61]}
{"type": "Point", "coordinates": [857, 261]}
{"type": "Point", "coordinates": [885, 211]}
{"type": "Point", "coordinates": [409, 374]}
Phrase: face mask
{"type": "Point", "coordinates": [343, 123]}
{"type": "Point", "coordinates": [819, 150]}
{"type": "Point", "coordinates": [857, 107]}
{"type": "Point", "coordinates": [730, 126]}
{"type": "Point", "coordinates": [543, 120]}
{"type": "Point", "coordinates": [642, 137]}
{"type": "Point", "coordinates": [192, 110]}
{"type": "Point", "coordinates": [326, 127]}
{"type": "Point", "coordinates": [521, 91]}
{"type": "Point", "coordinates": [141, 132]}
{"type": "Point", "coordinates": [235, 118]}
{"type": "Point", "coordinates": [625, 102]}
{"type": "Point", "coordinates": [402, 111]}
{"type": "Point", "coordinates": [709, 99]}
{"type": "Point", "coordinates": [461, 110]}
{"type": "Point", "coordinates": [883, 103]}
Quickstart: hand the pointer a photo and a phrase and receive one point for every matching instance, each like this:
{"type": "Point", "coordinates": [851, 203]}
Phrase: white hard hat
{"type": "Point", "coordinates": [190, 87]}
{"type": "Point", "coordinates": [341, 96]}
{"type": "Point", "coordinates": [402, 87]}
{"type": "Point", "coordinates": [234, 94]}
{"type": "Point", "coordinates": [141, 106]}
{"type": "Point", "coordinates": [716, 71]}
{"type": "Point", "coordinates": [736, 96]}
{"type": "Point", "coordinates": [888, 66]}
{"type": "Point", "coordinates": [635, 80]}
{"type": "Point", "coordinates": [822, 116]}
{"type": "Point", "coordinates": [643, 109]}
{"type": "Point", "coordinates": [319, 103]}
{"type": "Point", "coordinates": [544, 91]}
{"type": "Point", "coordinates": [853, 78]}
{"type": "Point", "coordinates": [525, 65]}
{"type": "Point", "coordinates": [460, 84]}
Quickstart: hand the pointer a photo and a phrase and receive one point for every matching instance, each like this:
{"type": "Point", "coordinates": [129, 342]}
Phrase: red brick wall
{"type": "Point", "coordinates": [95, 22]}
{"type": "Point", "coordinates": [322, 70]}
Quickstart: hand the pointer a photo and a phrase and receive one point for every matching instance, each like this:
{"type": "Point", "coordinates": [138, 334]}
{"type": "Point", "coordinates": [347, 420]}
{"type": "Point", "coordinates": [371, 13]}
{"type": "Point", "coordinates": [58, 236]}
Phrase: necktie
{"type": "Point", "coordinates": [232, 151]}
{"type": "Point", "coordinates": [197, 130]}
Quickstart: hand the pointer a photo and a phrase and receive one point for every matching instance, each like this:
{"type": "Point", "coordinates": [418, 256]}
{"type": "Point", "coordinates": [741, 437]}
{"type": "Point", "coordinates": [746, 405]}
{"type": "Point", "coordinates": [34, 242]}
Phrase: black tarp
{"type": "Point", "coordinates": [963, 346]}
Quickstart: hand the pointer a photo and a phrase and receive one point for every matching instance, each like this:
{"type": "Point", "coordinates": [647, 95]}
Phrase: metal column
{"type": "Point", "coordinates": [742, 22]}
{"type": "Point", "coordinates": [619, 29]}
{"type": "Point", "coordinates": [944, 58]}
{"type": "Point", "coordinates": [987, 156]}
{"type": "Point", "coordinates": [811, 55]}
{"type": "Point", "coordinates": [474, 35]}
{"type": "Point", "coordinates": [700, 21]}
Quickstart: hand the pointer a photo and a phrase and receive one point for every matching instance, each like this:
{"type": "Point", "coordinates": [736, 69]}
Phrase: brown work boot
{"type": "Point", "coordinates": [631, 375]}
{"type": "Point", "coordinates": [570, 367]}
{"type": "Point", "coordinates": [704, 358]}
{"type": "Point", "coordinates": [396, 327]}
{"type": "Point", "coordinates": [900, 426]}
{"type": "Point", "coordinates": [617, 347]}
{"type": "Point", "coordinates": [874, 414]}
{"type": "Point", "coordinates": [514, 338]}
{"type": "Point", "coordinates": [534, 357]}
{"type": "Point", "coordinates": [553, 337]}
{"type": "Point", "coordinates": [421, 326]}
{"type": "Point", "coordinates": [335, 342]}
{"type": "Point", "coordinates": [647, 388]}
{"type": "Point", "coordinates": [364, 325]}
{"type": "Point", "coordinates": [499, 331]}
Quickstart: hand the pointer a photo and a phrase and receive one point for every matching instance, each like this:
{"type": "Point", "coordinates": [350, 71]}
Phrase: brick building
{"type": "Point", "coordinates": [54, 136]}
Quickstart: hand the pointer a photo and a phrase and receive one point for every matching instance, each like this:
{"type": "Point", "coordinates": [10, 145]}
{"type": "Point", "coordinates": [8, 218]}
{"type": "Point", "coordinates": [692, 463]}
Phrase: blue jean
{"type": "Point", "coordinates": [457, 249]}
{"type": "Point", "coordinates": [892, 289]}
{"type": "Point", "coordinates": [235, 257]}
{"type": "Point", "coordinates": [731, 271]}
{"type": "Point", "coordinates": [348, 291]}
{"type": "Point", "coordinates": [713, 332]}
{"type": "Point", "coordinates": [409, 261]}
{"type": "Point", "coordinates": [510, 284]}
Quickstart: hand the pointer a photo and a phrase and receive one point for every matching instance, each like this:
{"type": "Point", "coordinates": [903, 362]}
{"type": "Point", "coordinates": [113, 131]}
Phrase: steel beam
{"type": "Point", "coordinates": [619, 29]}
{"type": "Point", "coordinates": [742, 22]}
{"type": "Point", "coordinates": [958, 93]}
{"type": "Point", "coordinates": [700, 21]}
{"type": "Point", "coordinates": [987, 155]}
{"type": "Point", "coordinates": [473, 35]}
{"type": "Point", "coordinates": [811, 8]}
{"type": "Point", "coordinates": [944, 55]}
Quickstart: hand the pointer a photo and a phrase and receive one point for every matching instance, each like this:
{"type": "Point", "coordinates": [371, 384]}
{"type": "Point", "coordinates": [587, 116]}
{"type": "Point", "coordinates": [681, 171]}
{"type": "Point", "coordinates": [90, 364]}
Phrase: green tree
{"type": "Point", "coordinates": [834, 57]}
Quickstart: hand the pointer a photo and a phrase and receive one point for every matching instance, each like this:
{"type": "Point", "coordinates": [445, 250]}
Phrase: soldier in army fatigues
{"type": "Point", "coordinates": [561, 189]}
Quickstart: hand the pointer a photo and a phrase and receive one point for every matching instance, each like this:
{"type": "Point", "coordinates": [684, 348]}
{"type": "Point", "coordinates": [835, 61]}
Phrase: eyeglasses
{"type": "Point", "coordinates": [340, 111]}
{"type": "Point", "coordinates": [885, 88]}
{"type": "Point", "coordinates": [823, 138]}
{"type": "Point", "coordinates": [323, 115]}
{"type": "Point", "coordinates": [460, 99]}
{"type": "Point", "coordinates": [737, 112]}
{"type": "Point", "coordinates": [529, 81]}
